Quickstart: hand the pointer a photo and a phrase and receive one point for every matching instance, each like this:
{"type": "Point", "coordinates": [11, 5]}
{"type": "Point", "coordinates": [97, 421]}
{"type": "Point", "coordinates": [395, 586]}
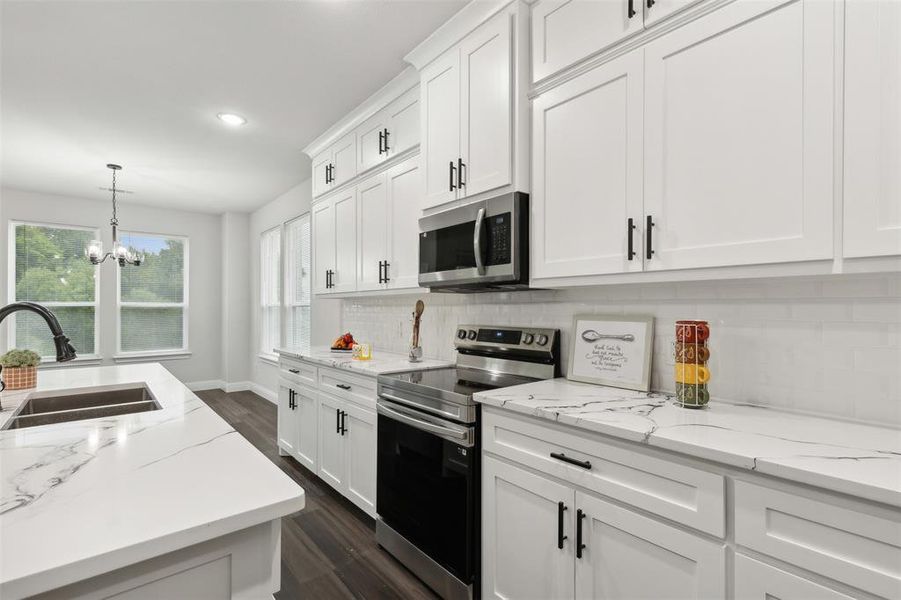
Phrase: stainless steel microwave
{"type": "Point", "coordinates": [479, 247]}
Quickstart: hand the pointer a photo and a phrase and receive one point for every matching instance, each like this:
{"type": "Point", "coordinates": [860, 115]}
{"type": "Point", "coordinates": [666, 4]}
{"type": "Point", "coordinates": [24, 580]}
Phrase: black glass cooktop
{"type": "Point", "coordinates": [460, 380]}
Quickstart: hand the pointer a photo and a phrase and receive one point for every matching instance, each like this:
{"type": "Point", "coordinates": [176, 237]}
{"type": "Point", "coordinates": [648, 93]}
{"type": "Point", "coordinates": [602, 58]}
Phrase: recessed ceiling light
{"type": "Point", "coordinates": [231, 119]}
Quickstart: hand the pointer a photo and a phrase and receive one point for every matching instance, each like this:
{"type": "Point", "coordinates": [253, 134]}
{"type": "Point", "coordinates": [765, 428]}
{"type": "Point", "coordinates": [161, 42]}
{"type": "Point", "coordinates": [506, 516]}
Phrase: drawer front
{"type": "Point", "coordinates": [859, 547]}
{"type": "Point", "coordinates": [358, 389]}
{"type": "Point", "coordinates": [755, 580]}
{"type": "Point", "coordinates": [684, 494]}
{"type": "Point", "coordinates": [297, 371]}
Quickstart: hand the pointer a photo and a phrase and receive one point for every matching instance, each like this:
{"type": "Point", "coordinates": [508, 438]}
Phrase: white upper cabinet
{"type": "Point", "coordinates": [657, 10]}
{"type": "Point", "coordinates": [587, 173]}
{"type": "Point", "coordinates": [872, 178]}
{"type": "Point", "coordinates": [323, 219]}
{"type": "Point", "coordinates": [739, 137]}
{"type": "Point", "coordinates": [335, 243]}
{"type": "Point", "coordinates": [403, 184]}
{"type": "Point", "coordinates": [486, 106]}
{"type": "Point", "coordinates": [335, 165]}
{"type": "Point", "coordinates": [391, 131]}
{"type": "Point", "coordinates": [372, 233]}
{"type": "Point", "coordinates": [466, 103]}
{"type": "Point", "coordinates": [440, 114]}
{"type": "Point", "coordinates": [565, 31]}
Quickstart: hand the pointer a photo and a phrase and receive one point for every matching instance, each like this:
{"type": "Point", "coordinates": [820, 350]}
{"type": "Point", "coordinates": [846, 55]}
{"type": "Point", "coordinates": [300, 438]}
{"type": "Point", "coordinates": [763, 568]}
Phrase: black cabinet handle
{"type": "Point", "coordinates": [343, 422]}
{"type": "Point", "coordinates": [337, 421]}
{"type": "Point", "coordinates": [328, 278]}
{"type": "Point", "coordinates": [451, 185]}
{"type": "Point", "coordinates": [651, 3]}
{"type": "Point", "coordinates": [381, 266]}
{"type": "Point", "coordinates": [579, 463]}
{"type": "Point", "coordinates": [386, 141]}
{"type": "Point", "coordinates": [381, 142]}
{"type": "Point", "coordinates": [387, 279]}
{"type": "Point", "coordinates": [342, 386]}
{"type": "Point", "coordinates": [579, 545]}
{"type": "Point", "coordinates": [295, 371]}
{"type": "Point", "coordinates": [461, 181]}
{"type": "Point", "coordinates": [649, 238]}
{"type": "Point", "coordinates": [561, 507]}
{"type": "Point", "coordinates": [630, 228]}
{"type": "Point", "coordinates": [631, 8]}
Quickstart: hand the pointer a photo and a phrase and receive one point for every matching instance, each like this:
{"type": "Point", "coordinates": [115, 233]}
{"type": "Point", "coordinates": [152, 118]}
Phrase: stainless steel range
{"type": "Point", "coordinates": [428, 492]}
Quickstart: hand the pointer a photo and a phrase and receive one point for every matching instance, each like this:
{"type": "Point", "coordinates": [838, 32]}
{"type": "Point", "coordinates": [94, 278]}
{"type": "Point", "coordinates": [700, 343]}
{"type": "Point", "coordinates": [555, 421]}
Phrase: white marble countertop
{"type": "Point", "coordinates": [380, 363]}
{"type": "Point", "coordinates": [87, 497]}
{"type": "Point", "coordinates": [856, 459]}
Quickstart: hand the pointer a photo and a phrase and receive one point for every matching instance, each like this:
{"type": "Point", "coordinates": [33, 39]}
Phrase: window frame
{"type": "Point", "coordinates": [272, 356]}
{"type": "Point", "coordinates": [11, 288]}
{"type": "Point", "coordinates": [286, 276]}
{"type": "Point", "coordinates": [185, 350]}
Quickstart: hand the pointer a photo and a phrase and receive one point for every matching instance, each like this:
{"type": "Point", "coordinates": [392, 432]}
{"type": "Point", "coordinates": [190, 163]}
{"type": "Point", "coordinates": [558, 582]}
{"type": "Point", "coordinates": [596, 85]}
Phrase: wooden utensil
{"type": "Point", "coordinates": [417, 314]}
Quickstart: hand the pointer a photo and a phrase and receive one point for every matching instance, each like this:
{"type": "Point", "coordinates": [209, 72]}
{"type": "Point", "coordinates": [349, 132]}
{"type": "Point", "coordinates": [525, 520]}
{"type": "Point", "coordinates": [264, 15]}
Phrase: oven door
{"type": "Point", "coordinates": [427, 487]}
{"type": "Point", "coordinates": [480, 243]}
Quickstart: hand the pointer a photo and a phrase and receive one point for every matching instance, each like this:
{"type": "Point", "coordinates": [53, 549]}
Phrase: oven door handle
{"type": "Point", "coordinates": [477, 241]}
{"type": "Point", "coordinates": [462, 436]}
{"type": "Point", "coordinates": [399, 400]}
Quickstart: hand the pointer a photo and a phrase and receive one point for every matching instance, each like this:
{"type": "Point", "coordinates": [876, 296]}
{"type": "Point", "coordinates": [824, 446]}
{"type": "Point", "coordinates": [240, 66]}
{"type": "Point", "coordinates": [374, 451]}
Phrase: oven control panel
{"type": "Point", "coordinates": [525, 338]}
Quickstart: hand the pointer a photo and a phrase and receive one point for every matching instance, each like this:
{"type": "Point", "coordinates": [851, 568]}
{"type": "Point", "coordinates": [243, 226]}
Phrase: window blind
{"type": "Point", "coordinates": [297, 281]}
{"type": "Point", "coordinates": [270, 290]}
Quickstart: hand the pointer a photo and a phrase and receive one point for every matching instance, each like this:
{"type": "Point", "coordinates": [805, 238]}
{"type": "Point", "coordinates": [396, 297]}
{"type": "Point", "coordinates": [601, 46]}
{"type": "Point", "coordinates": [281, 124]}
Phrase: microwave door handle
{"type": "Point", "coordinates": [477, 241]}
{"type": "Point", "coordinates": [461, 437]}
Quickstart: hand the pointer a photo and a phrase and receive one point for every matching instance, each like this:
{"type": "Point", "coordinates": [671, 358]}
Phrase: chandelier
{"type": "Point", "coordinates": [119, 253]}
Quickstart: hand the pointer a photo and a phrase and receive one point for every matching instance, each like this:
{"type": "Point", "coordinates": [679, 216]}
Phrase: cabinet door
{"type": "Point", "coordinates": [403, 122]}
{"type": "Point", "coordinates": [755, 580]}
{"type": "Point", "coordinates": [323, 244]}
{"type": "Point", "coordinates": [627, 555]}
{"type": "Point", "coordinates": [739, 143]}
{"type": "Point", "coordinates": [486, 103]}
{"type": "Point", "coordinates": [440, 116]}
{"type": "Point", "coordinates": [872, 199]}
{"type": "Point", "coordinates": [332, 464]}
{"type": "Point", "coordinates": [370, 145]}
{"type": "Point", "coordinates": [404, 186]}
{"type": "Point", "coordinates": [520, 556]}
{"type": "Point", "coordinates": [587, 174]}
{"type": "Point", "coordinates": [566, 31]}
{"type": "Point", "coordinates": [307, 426]}
{"type": "Point", "coordinates": [360, 454]}
{"type": "Point", "coordinates": [657, 10]}
{"type": "Point", "coordinates": [321, 163]}
{"type": "Point", "coordinates": [287, 419]}
{"type": "Point", "coordinates": [345, 207]}
{"type": "Point", "coordinates": [345, 159]}
{"type": "Point", "coordinates": [372, 232]}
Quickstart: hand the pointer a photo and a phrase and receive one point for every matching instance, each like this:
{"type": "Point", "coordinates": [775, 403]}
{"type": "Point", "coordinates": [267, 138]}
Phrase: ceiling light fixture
{"type": "Point", "coordinates": [119, 253]}
{"type": "Point", "coordinates": [231, 119]}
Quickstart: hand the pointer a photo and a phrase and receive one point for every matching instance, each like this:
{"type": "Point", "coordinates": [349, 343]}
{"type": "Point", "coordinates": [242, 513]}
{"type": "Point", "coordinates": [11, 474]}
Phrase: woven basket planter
{"type": "Point", "coordinates": [20, 378]}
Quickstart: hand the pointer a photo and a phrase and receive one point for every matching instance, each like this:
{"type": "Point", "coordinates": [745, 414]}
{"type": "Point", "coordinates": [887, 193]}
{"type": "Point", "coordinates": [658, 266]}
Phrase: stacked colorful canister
{"type": "Point", "coordinates": [692, 354]}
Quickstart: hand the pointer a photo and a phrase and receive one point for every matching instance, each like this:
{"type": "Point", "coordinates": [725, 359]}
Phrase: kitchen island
{"type": "Point", "coordinates": [167, 503]}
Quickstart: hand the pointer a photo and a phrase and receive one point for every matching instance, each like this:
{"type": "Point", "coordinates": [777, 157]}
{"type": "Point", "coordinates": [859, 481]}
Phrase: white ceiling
{"type": "Point", "coordinates": [140, 83]}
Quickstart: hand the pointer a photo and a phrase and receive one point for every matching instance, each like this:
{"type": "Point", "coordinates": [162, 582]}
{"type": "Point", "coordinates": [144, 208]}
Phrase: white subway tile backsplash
{"type": "Point", "coordinates": [821, 345]}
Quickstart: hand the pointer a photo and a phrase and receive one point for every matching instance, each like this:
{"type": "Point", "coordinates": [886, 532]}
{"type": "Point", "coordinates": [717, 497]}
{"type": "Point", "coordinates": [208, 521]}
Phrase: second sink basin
{"type": "Point", "coordinates": [45, 408]}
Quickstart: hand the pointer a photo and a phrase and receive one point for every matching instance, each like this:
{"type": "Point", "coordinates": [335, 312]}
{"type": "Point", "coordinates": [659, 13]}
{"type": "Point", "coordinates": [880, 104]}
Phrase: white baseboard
{"type": "Point", "coordinates": [212, 384]}
{"type": "Point", "coordinates": [238, 386]}
{"type": "Point", "coordinates": [266, 393]}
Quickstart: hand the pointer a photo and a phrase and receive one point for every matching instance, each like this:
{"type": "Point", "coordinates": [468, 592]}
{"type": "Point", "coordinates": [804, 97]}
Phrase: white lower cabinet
{"type": "Point", "coordinates": [306, 406]}
{"type": "Point", "coordinates": [755, 580]}
{"type": "Point", "coordinates": [543, 539]}
{"type": "Point", "coordinates": [287, 419]}
{"type": "Point", "coordinates": [331, 442]}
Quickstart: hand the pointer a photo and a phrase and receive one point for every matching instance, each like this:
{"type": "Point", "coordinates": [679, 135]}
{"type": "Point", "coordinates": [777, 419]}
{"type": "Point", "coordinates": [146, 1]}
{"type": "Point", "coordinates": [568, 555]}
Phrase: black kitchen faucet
{"type": "Point", "coordinates": [64, 350]}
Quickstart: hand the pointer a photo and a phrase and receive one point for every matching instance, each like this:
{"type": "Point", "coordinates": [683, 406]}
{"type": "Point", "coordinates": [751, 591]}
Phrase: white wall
{"type": "Point", "coordinates": [827, 345]}
{"type": "Point", "coordinates": [293, 203]}
{"type": "Point", "coordinates": [205, 268]}
{"type": "Point", "coordinates": [235, 327]}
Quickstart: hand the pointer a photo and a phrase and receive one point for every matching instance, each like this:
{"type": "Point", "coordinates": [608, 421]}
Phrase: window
{"type": "Point", "coordinates": [270, 291]}
{"type": "Point", "coordinates": [153, 298]}
{"type": "Point", "coordinates": [48, 266]}
{"type": "Point", "coordinates": [297, 282]}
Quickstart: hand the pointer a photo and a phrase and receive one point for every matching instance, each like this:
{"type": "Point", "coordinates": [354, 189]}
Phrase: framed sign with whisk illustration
{"type": "Point", "coordinates": [612, 350]}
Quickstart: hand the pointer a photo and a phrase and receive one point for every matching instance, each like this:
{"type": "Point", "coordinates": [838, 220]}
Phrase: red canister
{"type": "Point", "coordinates": [692, 332]}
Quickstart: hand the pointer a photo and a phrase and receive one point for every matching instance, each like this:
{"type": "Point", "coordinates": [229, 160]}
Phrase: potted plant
{"type": "Point", "coordinates": [20, 369]}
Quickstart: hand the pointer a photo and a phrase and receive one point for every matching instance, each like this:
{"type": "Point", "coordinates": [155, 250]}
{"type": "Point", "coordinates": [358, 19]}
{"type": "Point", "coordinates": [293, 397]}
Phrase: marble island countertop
{"type": "Point", "coordinates": [380, 363]}
{"type": "Point", "coordinates": [83, 498]}
{"type": "Point", "coordinates": [852, 458]}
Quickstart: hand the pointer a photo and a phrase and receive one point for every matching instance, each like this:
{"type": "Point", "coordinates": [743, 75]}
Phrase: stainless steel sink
{"type": "Point", "coordinates": [46, 408]}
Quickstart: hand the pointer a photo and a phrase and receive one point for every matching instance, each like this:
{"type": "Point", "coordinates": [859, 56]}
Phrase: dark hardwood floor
{"type": "Point", "coordinates": [328, 549]}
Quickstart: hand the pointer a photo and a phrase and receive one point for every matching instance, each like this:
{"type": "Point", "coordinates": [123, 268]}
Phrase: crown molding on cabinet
{"type": "Point", "coordinates": [455, 29]}
{"type": "Point", "coordinates": [406, 80]}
